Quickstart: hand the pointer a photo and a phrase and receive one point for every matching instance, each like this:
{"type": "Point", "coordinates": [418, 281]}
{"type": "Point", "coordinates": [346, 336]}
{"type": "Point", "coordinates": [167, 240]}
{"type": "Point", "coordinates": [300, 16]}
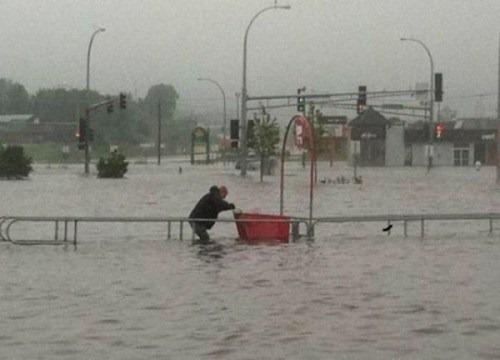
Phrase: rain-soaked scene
{"type": "Point", "coordinates": [257, 179]}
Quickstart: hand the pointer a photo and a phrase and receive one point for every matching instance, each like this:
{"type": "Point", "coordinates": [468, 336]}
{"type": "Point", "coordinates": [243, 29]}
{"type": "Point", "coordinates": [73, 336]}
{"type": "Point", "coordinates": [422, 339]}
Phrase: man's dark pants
{"type": "Point", "coordinates": [201, 231]}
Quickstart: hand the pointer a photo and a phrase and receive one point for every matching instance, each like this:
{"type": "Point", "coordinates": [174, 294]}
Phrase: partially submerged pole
{"type": "Point", "coordinates": [307, 141]}
{"type": "Point", "coordinates": [159, 132]}
{"type": "Point", "coordinates": [498, 118]}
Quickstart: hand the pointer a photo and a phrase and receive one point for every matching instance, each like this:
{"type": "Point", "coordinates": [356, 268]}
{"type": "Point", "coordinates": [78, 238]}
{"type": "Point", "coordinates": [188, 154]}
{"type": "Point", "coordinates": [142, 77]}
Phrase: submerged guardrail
{"type": "Point", "coordinates": [63, 225]}
{"type": "Point", "coordinates": [70, 224]}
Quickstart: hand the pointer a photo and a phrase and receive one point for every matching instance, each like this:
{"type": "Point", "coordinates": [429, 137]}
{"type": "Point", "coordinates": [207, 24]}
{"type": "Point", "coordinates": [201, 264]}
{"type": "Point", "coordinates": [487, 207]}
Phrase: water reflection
{"type": "Point", "coordinates": [210, 252]}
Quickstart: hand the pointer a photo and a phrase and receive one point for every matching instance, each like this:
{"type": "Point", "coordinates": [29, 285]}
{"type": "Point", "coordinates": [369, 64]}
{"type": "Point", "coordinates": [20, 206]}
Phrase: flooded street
{"type": "Point", "coordinates": [127, 292]}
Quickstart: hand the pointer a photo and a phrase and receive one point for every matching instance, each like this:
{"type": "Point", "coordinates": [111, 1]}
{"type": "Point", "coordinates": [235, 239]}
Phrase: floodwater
{"type": "Point", "coordinates": [126, 292]}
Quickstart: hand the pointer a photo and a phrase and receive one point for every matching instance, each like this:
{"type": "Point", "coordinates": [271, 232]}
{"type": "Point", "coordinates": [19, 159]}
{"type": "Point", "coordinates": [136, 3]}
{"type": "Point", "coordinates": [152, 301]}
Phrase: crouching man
{"type": "Point", "coordinates": [208, 208]}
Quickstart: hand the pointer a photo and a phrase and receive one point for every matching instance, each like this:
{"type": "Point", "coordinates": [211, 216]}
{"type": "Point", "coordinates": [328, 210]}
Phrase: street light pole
{"type": "Point", "coordinates": [224, 116]}
{"type": "Point", "coordinates": [237, 94]}
{"type": "Point", "coordinates": [87, 116]}
{"type": "Point", "coordinates": [431, 107]}
{"type": "Point", "coordinates": [498, 118]}
{"type": "Point", "coordinates": [244, 95]}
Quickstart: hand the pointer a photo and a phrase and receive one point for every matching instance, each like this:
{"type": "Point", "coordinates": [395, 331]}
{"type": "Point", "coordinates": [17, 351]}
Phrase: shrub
{"type": "Point", "coordinates": [114, 166]}
{"type": "Point", "coordinates": [13, 162]}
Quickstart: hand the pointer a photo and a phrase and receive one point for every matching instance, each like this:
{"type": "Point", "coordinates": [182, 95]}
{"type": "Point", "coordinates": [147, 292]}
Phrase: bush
{"type": "Point", "coordinates": [13, 162]}
{"type": "Point", "coordinates": [114, 166]}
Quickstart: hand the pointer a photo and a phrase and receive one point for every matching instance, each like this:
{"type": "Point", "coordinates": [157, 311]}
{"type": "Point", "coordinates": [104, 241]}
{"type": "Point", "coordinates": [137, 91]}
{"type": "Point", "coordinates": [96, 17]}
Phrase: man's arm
{"type": "Point", "coordinates": [223, 205]}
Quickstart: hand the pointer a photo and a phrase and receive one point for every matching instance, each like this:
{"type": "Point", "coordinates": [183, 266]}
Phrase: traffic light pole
{"type": "Point", "coordinates": [87, 155]}
{"type": "Point", "coordinates": [87, 128]}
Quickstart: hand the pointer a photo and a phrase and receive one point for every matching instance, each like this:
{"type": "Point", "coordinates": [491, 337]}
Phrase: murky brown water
{"type": "Point", "coordinates": [355, 293]}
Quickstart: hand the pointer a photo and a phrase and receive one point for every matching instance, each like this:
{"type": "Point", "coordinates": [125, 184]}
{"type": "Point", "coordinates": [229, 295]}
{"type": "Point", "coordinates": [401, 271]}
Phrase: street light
{"type": "Point", "coordinates": [431, 117]}
{"type": "Point", "coordinates": [244, 95]}
{"type": "Point", "coordinates": [88, 98]}
{"type": "Point", "coordinates": [224, 115]}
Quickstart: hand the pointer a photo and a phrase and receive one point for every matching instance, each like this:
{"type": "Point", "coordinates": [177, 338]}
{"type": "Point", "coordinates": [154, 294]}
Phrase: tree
{"type": "Point", "coordinates": [14, 99]}
{"type": "Point", "coordinates": [114, 166]}
{"type": "Point", "coordinates": [167, 95]}
{"type": "Point", "coordinates": [265, 139]}
{"type": "Point", "coordinates": [61, 105]}
{"type": "Point", "coordinates": [65, 106]}
{"type": "Point", "coordinates": [13, 162]}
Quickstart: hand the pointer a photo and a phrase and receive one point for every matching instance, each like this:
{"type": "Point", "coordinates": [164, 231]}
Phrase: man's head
{"type": "Point", "coordinates": [223, 191]}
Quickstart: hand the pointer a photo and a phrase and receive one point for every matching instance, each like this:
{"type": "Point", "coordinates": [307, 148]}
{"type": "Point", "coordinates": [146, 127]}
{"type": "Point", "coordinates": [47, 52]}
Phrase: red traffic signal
{"type": "Point", "coordinates": [440, 128]}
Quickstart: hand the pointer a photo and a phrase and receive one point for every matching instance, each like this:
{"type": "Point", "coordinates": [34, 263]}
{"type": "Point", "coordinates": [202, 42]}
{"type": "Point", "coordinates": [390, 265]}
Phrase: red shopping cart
{"type": "Point", "coordinates": [258, 228]}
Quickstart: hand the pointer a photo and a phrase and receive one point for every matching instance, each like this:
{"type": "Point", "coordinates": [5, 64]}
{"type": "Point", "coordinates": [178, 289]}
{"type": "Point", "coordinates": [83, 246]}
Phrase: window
{"type": "Point", "coordinates": [461, 156]}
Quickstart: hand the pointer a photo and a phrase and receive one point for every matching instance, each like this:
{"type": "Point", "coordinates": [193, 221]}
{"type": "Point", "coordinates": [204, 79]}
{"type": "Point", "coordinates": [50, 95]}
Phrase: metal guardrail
{"type": "Point", "coordinates": [71, 224]}
{"type": "Point", "coordinates": [405, 219]}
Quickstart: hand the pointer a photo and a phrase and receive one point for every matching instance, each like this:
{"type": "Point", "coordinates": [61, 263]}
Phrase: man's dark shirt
{"type": "Point", "coordinates": [209, 207]}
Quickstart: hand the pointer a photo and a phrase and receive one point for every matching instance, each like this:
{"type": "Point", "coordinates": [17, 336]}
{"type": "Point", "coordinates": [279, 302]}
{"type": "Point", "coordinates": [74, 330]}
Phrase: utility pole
{"type": "Point", "coordinates": [237, 105]}
{"type": "Point", "coordinates": [159, 131]}
{"type": "Point", "coordinates": [498, 118]}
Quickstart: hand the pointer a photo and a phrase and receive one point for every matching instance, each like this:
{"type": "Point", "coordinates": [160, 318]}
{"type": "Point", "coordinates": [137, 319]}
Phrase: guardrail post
{"type": "Point", "coordinates": [65, 230]}
{"type": "Point", "coordinates": [181, 230]}
{"type": "Point", "coordinates": [405, 224]}
{"type": "Point", "coordinates": [295, 231]}
{"type": "Point", "coordinates": [422, 227]}
{"type": "Point", "coordinates": [74, 232]}
{"type": "Point", "coordinates": [310, 231]}
{"type": "Point", "coordinates": [169, 230]}
{"type": "Point", "coordinates": [491, 226]}
{"type": "Point", "coordinates": [56, 231]}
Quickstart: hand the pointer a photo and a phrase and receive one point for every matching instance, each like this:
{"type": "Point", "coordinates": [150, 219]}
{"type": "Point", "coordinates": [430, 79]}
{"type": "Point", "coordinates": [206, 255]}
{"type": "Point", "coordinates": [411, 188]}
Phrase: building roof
{"type": "Point", "coordinates": [369, 117]}
{"type": "Point", "coordinates": [15, 117]}
{"type": "Point", "coordinates": [477, 123]}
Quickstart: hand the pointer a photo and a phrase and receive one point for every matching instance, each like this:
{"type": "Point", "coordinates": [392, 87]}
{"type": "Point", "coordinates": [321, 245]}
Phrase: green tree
{"type": "Point", "coordinates": [166, 95]}
{"type": "Point", "coordinates": [13, 162]}
{"type": "Point", "coordinates": [265, 140]}
{"type": "Point", "coordinates": [114, 166]}
{"type": "Point", "coordinates": [62, 105]}
{"type": "Point", "coordinates": [65, 106]}
{"type": "Point", "coordinates": [14, 99]}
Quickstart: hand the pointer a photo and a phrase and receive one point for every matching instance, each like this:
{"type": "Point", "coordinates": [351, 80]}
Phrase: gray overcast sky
{"type": "Point", "coordinates": [326, 45]}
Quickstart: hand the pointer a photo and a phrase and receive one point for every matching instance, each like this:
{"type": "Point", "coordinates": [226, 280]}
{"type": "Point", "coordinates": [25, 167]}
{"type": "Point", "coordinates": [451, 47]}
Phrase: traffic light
{"type": "Point", "coordinates": [110, 108]}
{"type": "Point", "coordinates": [361, 104]}
{"type": "Point", "coordinates": [234, 132]}
{"type": "Point", "coordinates": [438, 84]}
{"type": "Point", "coordinates": [301, 104]}
{"type": "Point", "coordinates": [301, 101]}
{"type": "Point", "coordinates": [123, 101]}
{"type": "Point", "coordinates": [82, 133]}
{"type": "Point", "coordinates": [440, 128]}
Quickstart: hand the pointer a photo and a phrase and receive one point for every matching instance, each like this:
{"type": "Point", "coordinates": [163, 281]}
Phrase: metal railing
{"type": "Point", "coordinates": [405, 219]}
{"type": "Point", "coordinates": [63, 225]}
